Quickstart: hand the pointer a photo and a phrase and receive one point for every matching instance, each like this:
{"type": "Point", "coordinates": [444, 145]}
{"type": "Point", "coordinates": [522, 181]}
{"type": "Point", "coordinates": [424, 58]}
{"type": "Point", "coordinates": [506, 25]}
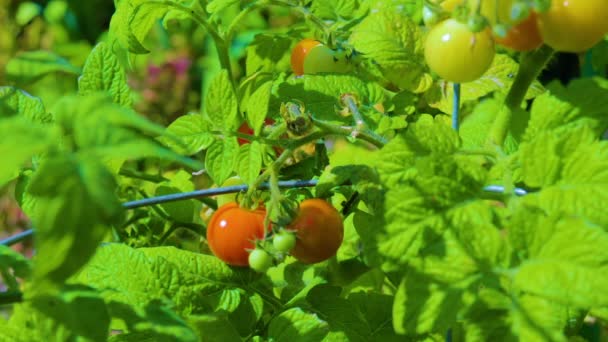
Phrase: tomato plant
{"type": "Point", "coordinates": [319, 231]}
{"type": "Point", "coordinates": [574, 26]}
{"type": "Point", "coordinates": [232, 232]}
{"type": "Point", "coordinates": [457, 54]}
{"type": "Point", "coordinates": [468, 211]}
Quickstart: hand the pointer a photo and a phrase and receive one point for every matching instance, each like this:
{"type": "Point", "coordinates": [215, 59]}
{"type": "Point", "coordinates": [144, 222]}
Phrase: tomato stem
{"type": "Point", "coordinates": [348, 131]}
{"type": "Point", "coordinates": [532, 63]}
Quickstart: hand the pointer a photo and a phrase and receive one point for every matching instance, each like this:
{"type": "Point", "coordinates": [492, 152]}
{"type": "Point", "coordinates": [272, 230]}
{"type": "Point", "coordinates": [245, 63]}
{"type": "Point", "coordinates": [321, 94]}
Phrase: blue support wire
{"type": "Point", "coordinates": [499, 189]}
{"type": "Point", "coordinates": [456, 107]}
{"type": "Point", "coordinates": [178, 197]}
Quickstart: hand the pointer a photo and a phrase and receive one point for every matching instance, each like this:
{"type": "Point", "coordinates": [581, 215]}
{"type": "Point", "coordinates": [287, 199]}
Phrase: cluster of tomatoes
{"type": "Point", "coordinates": [462, 52]}
{"type": "Point", "coordinates": [238, 235]}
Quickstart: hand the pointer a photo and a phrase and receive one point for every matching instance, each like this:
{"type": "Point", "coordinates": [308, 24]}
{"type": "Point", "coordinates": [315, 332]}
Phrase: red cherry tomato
{"type": "Point", "coordinates": [245, 129]}
{"type": "Point", "coordinates": [232, 232]}
{"type": "Point", "coordinates": [299, 53]}
{"type": "Point", "coordinates": [524, 36]}
{"type": "Point", "coordinates": [319, 231]}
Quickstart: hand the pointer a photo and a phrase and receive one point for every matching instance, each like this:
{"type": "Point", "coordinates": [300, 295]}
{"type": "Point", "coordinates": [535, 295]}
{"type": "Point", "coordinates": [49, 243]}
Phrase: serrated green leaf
{"type": "Point", "coordinates": [14, 101]}
{"type": "Point", "coordinates": [267, 54]}
{"type": "Point", "coordinates": [249, 162]}
{"type": "Point", "coordinates": [372, 307]}
{"type": "Point", "coordinates": [29, 66]}
{"type": "Point", "coordinates": [214, 6]}
{"type": "Point", "coordinates": [213, 328]}
{"type": "Point", "coordinates": [338, 9]}
{"type": "Point", "coordinates": [498, 78]}
{"type": "Point", "coordinates": [297, 325]}
{"type": "Point", "coordinates": [572, 175]}
{"type": "Point", "coordinates": [76, 205]}
{"type": "Point", "coordinates": [341, 314]}
{"type": "Point", "coordinates": [193, 132]}
{"type": "Point", "coordinates": [582, 100]}
{"type": "Point", "coordinates": [221, 103]}
{"type": "Point", "coordinates": [152, 321]}
{"type": "Point", "coordinates": [13, 265]}
{"type": "Point", "coordinates": [107, 130]}
{"type": "Point", "coordinates": [257, 107]}
{"type": "Point", "coordinates": [421, 305]}
{"type": "Point", "coordinates": [143, 16]}
{"type": "Point", "coordinates": [80, 311]}
{"type": "Point", "coordinates": [22, 140]}
{"type": "Point", "coordinates": [221, 159]}
{"type": "Point", "coordinates": [392, 40]}
{"type": "Point", "coordinates": [537, 319]}
{"type": "Point", "coordinates": [321, 93]}
{"type": "Point", "coordinates": [191, 281]}
{"type": "Point", "coordinates": [102, 72]}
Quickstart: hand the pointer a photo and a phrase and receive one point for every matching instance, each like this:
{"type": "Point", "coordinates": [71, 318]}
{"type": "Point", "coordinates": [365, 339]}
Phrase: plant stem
{"type": "Point", "coordinates": [138, 175]}
{"type": "Point", "coordinates": [365, 135]}
{"type": "Point", "coordinates": [532, 63]}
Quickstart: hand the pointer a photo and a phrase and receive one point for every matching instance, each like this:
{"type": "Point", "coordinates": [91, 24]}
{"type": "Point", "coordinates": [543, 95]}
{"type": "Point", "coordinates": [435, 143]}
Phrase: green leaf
{"type": "Point", "coordinates": [373, 308]}
{"type": "Point", "coordinates": [321, 93]}
{"type": "Point", "coordinates": [14, 101]}
{"type": "Point", "coordinates": [214, 6]}
{"type": "Point", "coordinates": [249, 161]}
{"type": "Point", "coordinates": [103, 72]}
{"type": "Point", "coordinates": [193, 133]}
{"type": "Point", "coordinates": [257, 107]}
{"type": "Point", "coordinates": [567, 266]}
{"type": "Point", "coordinates": [538, 319]}
{"type": "Point", "coordinates": [107, 130]}
{"type": "Point", "coordinates": [214, 328]}
{"type": "Point", "coordinates": [79, 310]}
{"type": "Point", "coordinates": [572, 175]}
{"type": "Point", "coordinates": [154, 321]}
{"type": "Point", "coordinates": [423, 306]}
{"type": "Point", "coordinates": [191, 281]}
{"type": "Point", "coordinates": [583, 100]}
{"type": "Point", "coordinates": [297, 325]}
{"type": "Point", "coordinates": [221, 159]}
{"type": "Point", "coordinates": [222, 105]}
{"type": "Point", "coordinates": [21, 140]}
{"type": "Point", "coordinates": [29, 66]}
{"type": "Point", "coordinates": [395, 43]}
{"type": "Point", "coordinates": [341, 314]}
{"type": "Point", "coordinates": [266, 53]}
{"type": "Point", "coordinates": [498, 78]}
{"type": "Point", "coordinates": [13, 265]}
{"type": "Point", "coordinates": [76, 205]}
{"type": "Point", "coordinates": [181, 211]}
{"type": "Point", "coordinates": [334, 10]}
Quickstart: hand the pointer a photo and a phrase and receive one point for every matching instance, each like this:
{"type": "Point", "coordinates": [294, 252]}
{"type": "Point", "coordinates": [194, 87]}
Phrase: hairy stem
{"type": "Point", "coordinates": [532, 63]}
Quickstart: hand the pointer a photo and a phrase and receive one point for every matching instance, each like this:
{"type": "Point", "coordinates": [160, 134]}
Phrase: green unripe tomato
{"type": "Point", "coordinates": [456, 54]}
{"type": "Point", "coordinates": [323, 59]}
{"type": "Point", "coordinates": [260, 260]}
{"type": "Point", "coordinates": [284, 241]}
